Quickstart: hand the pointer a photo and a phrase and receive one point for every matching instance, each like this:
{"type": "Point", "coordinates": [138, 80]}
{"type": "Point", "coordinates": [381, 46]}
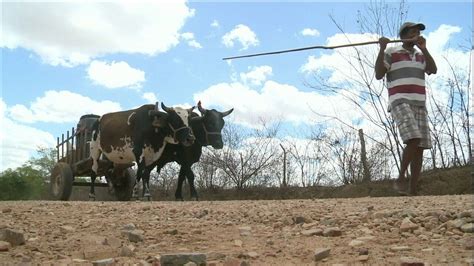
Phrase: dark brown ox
{"type": "Point", "coordinates": [207, 130]}
{"type": "Point", "coordinates": [139, 135]}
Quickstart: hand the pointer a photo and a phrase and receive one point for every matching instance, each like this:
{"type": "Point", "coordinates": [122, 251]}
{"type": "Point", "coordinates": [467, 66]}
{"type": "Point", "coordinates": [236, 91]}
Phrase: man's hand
{"type": "Point", "coordinates": [383, 41]}
{"type": "Point", "coordinates": [380, 68]}
{"type": "Point", "coordinates": [421, 42]}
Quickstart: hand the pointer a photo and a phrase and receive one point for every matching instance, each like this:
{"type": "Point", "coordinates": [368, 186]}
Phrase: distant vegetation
{"type": "Point", "coordinates": [22, 183]}
{"type": "Point", "coordinates": [30, 180]}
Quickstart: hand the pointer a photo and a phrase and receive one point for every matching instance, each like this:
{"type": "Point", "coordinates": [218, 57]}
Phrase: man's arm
{"type": "Point", "coordinates": [431, 67]}
{"type": "Point", "coordinates": [380, 68]}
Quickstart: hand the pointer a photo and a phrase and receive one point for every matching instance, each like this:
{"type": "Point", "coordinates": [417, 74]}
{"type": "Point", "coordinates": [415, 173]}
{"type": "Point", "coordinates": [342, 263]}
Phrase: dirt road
{"type": "Point", "coordinates": [292, 232]}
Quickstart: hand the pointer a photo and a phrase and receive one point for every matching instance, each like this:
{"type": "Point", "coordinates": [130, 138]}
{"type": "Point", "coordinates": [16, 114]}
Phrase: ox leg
{"type": "Point", "coordinates": [146, 183]}
{"type": "Point", "coordinates": [92, 191]}
{"type": "Point", "coordinates": [192, 189]}
{"type": "Point", "coordinates": [109, 182]}
{"type": "Point", "coordinates": [178, 195]}
{"type": "Point", "coordinates": [137, 152]}
{"type": "Point", "coordinates": [137, 180]}
{"type": "Point", "coordinates": [95, 154]}
{"type": "Point", "coordinates": [135, 189]}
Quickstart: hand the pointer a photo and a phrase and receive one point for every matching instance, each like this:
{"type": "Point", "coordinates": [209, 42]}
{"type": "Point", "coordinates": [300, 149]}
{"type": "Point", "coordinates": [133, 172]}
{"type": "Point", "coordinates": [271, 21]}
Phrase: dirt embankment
{"type": "Point", "coordinates": [381, 230]}
{"type": "Point", "coordinates": [453, 181]}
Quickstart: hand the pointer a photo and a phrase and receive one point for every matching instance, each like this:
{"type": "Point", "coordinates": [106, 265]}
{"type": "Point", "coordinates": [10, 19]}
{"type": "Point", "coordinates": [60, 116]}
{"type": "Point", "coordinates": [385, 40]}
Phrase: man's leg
{"type": "Point", "coordinates": [406, 119]}
{"type": "Point", "coordinates": [415, 168]}
{"type": "Point", "coordinates": [409, 154]}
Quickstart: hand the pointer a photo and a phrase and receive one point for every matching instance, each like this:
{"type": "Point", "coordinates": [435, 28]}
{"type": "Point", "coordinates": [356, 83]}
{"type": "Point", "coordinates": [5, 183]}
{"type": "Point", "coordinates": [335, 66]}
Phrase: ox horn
{"type": "Point", "coordinates": [201, 109]}
{"type": "Point", "coordinates": [226, 113]}
{"type": "Point", "coordinates": [156, 111]}
{"type": "Point", "coordinates": [164, 107]}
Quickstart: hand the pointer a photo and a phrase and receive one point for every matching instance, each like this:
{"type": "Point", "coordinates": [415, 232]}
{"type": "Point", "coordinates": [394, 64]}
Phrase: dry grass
{"type": "Point", "coordinates": [434, 182]}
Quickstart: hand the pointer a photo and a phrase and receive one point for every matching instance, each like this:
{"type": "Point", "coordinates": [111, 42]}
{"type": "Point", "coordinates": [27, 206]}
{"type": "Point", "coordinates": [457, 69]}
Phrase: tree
{"type": "Point", "coordinates": [308, 157]}
{"type": "Point", "coordinates": [208, 174]}
{"type": "Point", "coordinates": [167, 178]}
{"type": "Point", "coordinates": [246, 155]}
{"type": "Point", "coordinates": [29, 180]}
{"type": "Point", "coordinates": [44, 162]}
{"type": "Point", "coordinates": [24, 182]}
{"type": "Point", "coordinates": [344, 156]}
{"type": "Point", "coordinates": [450, 119]}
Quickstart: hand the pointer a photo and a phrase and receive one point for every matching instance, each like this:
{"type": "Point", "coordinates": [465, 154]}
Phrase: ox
{"type": "Point", "coordinates": [139, 135]}
{"type": "Point", "coordinates": [207, 130]}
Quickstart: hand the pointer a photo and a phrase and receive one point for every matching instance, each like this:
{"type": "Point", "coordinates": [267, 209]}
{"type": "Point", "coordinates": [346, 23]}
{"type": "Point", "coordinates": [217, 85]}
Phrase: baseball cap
{"type": "Point", "coordinates": [408, 25]}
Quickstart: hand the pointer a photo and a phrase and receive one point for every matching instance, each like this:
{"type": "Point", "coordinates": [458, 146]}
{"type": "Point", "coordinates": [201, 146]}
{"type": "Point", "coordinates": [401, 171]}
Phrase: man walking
{"type": "Point", "coordinates": [405, 68]}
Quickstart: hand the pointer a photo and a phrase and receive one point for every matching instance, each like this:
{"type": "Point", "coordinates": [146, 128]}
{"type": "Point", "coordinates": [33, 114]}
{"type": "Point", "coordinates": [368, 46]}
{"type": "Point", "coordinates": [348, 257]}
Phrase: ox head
{"type": "Point", "coordinates": [177, 119]}
{"type": "Point", "coordinates": [211, 122]}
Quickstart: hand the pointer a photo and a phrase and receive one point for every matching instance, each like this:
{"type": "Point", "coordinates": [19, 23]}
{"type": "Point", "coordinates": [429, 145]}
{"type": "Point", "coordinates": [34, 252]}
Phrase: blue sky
{"type": "Point", "coordinates": [64, 59]}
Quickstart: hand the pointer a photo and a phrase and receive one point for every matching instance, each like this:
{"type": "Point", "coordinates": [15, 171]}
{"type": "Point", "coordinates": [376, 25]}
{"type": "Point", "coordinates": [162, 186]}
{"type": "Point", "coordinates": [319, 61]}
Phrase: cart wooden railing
{"type": "Point", "coordinates": [76, 146]}
{"type": "Point", "coordinates": [73, 149]}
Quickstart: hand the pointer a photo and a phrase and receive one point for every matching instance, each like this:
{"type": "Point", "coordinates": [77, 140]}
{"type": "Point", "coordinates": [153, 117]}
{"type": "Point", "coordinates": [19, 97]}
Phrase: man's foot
{"type": "Point", "coordinates": [413, 186]}
{"type": "Point", "coordinates": [401, 186]}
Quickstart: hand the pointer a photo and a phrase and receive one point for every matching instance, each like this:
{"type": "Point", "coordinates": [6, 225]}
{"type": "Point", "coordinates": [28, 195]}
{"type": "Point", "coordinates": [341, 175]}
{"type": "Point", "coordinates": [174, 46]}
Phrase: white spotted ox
{"type": "Point", "coordinates": [139, 135]}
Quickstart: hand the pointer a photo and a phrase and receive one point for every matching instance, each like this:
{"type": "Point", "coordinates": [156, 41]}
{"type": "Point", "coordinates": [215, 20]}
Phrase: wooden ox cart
{"type": "Point", "coordinates": [73, 161]}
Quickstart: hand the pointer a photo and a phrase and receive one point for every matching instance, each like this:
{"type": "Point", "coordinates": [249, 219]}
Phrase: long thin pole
{"type": "Point", "coordinates": [311, 47]}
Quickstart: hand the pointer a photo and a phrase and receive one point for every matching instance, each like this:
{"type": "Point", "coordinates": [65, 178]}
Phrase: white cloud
{"type": "Point", "coordinates": [242, 34]}
{"type": "Point", "coordinates": [59, 107]}
{"type": "Point", "coordinates": [310, 32]}
{"type": "Point", "coordinates": [115, 75]}
{"type": "Point", "coordinates": [215, 24]}
{"type": "Point", "coordinates": [19, 142]}
{"type": "Point", "coordinates": [189, 37]}
{"type": "Point", "coordinates": [195, 44]}
{"type": "Point", "coordinates": [438, 39]}
{"type": "Point", "coordinates": [343, 63]}
{"type": "Point", "coordinates": [150, 97]}
{"type": "Point", "coordinates": [442, 52]}
{"type": "Point", "coordinates": [256, 76]}
{"type": "Point", "coordinates": [274, 102]}
{"type": "Point", "coordinates": [21, 113]}
{"type": "Point", "coordinates": [73, 33]}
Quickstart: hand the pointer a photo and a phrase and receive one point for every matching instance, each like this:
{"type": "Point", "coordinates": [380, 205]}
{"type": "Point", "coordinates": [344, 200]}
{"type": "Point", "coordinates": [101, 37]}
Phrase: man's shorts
{"type": "Point", "coordinates": [412, 122]}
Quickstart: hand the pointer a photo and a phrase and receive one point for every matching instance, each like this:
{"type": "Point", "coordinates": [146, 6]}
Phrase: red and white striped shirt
{"type": "Point", "coordinates": [405, 76]}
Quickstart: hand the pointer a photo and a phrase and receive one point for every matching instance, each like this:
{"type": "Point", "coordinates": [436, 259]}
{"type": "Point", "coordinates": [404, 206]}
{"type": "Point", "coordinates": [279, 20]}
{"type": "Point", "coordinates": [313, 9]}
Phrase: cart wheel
{"type": "Point", "coordinates": [124, 185]}
{"type": "Point", "coordinates": [61, 181]}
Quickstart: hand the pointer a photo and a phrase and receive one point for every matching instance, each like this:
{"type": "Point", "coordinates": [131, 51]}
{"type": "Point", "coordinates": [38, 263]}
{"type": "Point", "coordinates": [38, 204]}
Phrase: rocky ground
{"type": "Point", "coordinates": [388, 230]}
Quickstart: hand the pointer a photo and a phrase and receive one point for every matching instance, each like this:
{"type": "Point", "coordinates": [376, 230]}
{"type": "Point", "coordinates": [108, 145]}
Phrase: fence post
{"type": "Point", "coordinates": [363, 157]}
{"type": "Point", "coordinates": [74, 149]}
{"type": "Point", "coordinates": [284, 166]}
{"type": "Point", "coordinates": [62, 145]}
{"type": "Point", "coordinates": [57, 150]}
{"type": "Point", "coordinates": [67, 147]}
